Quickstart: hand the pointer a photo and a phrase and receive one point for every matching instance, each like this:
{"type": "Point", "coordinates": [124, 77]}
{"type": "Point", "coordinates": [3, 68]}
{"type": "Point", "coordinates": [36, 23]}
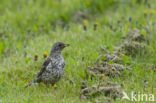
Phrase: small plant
{"type": "Point", "coordinates": [95, 26]}
{"type": "Point", "coordinates": [55, 86]}
{"type": "Point", "coordinates": [101, 78]}
{"type": "Point", "coordinates": [45, 54]}
{"type": "Point", "coordinates": [36, 57]}
{"type": "Point", "coordinates": [145, 12]}
{"type": "Point", "coordinates": [130, 19]}
{"type": "Point", "coordinates": [153, 11]}
{"type": "Point", "coordinates": [85, 24]}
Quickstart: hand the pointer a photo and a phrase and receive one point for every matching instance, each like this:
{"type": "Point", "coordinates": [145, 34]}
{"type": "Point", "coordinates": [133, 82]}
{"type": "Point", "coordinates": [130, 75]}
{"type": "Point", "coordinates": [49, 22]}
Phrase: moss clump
{"type": "Point", "coordinates": [134, 48]}
{"type": "Point", "coordinates": [135, 35]}
{"type": "Point", "coordinates": [109, 89]}
{"type": "Point", "coordinates": [111, 70]}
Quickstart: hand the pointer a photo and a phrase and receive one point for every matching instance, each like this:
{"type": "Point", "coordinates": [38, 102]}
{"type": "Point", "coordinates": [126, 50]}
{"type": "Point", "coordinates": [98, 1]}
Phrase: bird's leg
{"type": "Point", "coordinates": [47, 85]}
{"type": "Point", "coordinates": [52, 84]}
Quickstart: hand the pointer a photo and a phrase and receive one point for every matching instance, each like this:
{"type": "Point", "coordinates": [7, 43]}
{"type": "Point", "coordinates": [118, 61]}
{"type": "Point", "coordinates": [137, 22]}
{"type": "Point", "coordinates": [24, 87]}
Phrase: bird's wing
{"type": "Point", "coordinates": [45, 64]}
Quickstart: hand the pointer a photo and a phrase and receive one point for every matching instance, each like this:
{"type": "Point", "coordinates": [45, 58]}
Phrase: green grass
{"type": "Point", "coordinates": [22, 36]}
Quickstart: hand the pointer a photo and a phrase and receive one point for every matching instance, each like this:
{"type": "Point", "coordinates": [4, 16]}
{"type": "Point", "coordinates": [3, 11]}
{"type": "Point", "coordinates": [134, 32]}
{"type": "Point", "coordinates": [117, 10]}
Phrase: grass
{"type": "Point", "coordinates": [22, 37]}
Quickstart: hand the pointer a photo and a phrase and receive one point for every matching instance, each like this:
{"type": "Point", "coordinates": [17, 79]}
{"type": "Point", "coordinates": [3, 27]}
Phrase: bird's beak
{"type": "Point", "coordinates": [65, 45]}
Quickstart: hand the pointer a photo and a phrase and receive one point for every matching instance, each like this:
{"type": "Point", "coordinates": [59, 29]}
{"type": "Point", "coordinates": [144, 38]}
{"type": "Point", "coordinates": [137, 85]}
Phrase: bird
{"type": "Point", "coordinates": [53, 67]}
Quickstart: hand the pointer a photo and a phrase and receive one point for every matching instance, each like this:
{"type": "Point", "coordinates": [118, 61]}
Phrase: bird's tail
{"type": "Point", "coordinates": [32, 83]}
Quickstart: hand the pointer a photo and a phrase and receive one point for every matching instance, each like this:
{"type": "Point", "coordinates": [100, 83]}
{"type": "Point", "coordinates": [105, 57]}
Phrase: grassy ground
{"type": "Point", "coordinates": [22, 37]}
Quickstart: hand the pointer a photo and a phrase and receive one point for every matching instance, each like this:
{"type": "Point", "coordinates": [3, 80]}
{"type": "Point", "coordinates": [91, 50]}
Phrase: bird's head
{"type": "Point", "coordinates": [58, 47]}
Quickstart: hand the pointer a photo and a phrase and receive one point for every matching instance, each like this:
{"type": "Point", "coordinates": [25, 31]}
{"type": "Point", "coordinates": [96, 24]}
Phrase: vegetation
{"type": "Point", "coordinates": [28, 29]}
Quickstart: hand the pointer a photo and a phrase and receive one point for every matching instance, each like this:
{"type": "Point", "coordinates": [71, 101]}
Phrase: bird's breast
{"type": "Point", "coordinates": [57, 65]}
{"type": "Point", "coordinates": [55, 70]}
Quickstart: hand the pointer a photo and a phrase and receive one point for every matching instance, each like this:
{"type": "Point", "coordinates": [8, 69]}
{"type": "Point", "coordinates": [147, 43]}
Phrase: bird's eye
{"type": "Point", "coordinates": [60, 45]}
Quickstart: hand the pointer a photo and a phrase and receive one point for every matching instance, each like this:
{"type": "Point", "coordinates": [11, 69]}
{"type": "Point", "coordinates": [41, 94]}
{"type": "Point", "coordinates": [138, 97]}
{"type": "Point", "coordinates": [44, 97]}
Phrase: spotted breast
{"type": "Point", "coordinates": [54, 70]}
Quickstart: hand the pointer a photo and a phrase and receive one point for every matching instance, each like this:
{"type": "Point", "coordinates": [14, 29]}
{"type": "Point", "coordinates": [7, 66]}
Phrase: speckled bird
{"type": "Point", "coordinates": [53, 67]}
